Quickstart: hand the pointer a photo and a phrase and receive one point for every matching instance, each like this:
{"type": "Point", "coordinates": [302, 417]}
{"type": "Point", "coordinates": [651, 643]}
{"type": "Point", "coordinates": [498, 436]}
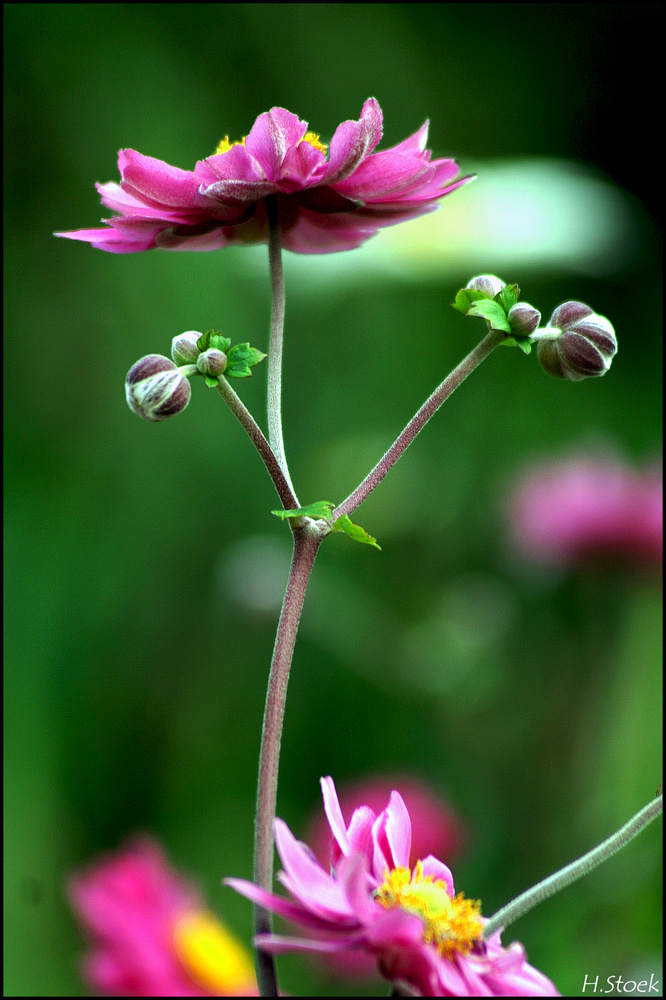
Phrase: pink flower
{"type": "Point", "coordinates": [419, 931]}
{"type": "Point", "coordinates": [150, 934]}
{"type": "Point", "coordinates": [579, 508]}
{"type": "Point", "coordinates": [323, 204]}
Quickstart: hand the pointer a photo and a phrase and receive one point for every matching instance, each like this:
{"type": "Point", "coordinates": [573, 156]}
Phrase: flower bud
{"type": "Point", "coordinates": [523, 319]}
{"type": "Point", "coordinates": [489, 284]}
{"type": "Point", "coordinates": [212, 362]}
{"type": "Point", "coordinates": [577, 343]}
{"type": "Point", "coordinates": [155, 389]}
{"type": "Point", "coordinates": [184, 348]}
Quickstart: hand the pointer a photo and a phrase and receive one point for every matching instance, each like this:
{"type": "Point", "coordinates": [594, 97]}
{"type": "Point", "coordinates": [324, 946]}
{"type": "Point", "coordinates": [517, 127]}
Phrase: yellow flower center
{"type": "Point", "coordinates": [450, 925]}
{"type": "Point", "coordinates": [224, 145]}
{"type": "Point", "coordinates": [211, 956]}
{"type": "Point", "coordinates": [313, 139]}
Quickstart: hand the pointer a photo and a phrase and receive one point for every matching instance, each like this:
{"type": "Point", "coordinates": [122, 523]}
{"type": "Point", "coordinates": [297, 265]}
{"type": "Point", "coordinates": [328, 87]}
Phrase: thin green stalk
{"type": "Point", "coordinates": [307, 539]}
{"type": "Point", "coordinates": [522, 904]}
{"type": "Point", "coordinates": [274, 378]}
{"type": "Point", "coordinates": [418, 421]}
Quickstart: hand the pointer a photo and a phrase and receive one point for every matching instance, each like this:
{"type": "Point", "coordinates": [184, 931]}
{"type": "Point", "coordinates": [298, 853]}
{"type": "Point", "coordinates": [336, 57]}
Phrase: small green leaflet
{"type": "Point", "coordinates": [492, 312]}
{"type": "Point", "coordinates": [465, 298]}
{"type": "Point", "coordinates": [240, 359]}
{"type": "Point", "coordinates": [509, 296]}
{"type": "Point", "coordinates": [524, 343]}
{"type": "Point", "coordinates": [211, 339]}
{"type": "Point", "coordinates": [321, 510]}
{"type": "Point", "coordinates": [355, 531]}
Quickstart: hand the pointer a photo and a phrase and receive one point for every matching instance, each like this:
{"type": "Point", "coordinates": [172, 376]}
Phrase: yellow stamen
{"type": "Point", "coordinates": [450, 925]}
{"type": "Point", "coordinates": [313, 139]}
{"type": "Point", "coordinates": [211, 956]}
{"type": "Point", "coordinates": [224, 145]}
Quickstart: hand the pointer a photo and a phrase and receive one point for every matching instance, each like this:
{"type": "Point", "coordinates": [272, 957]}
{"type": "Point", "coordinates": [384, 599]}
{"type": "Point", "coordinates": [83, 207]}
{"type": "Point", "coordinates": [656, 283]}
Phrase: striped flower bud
{"type": "Point", "coordinates": [212, 362]}
{"type": "Point", "coordinates": [577, 343]}
{"type": "Point", "coordinates": [155, 389]}
{"type": "Point", "coordinates": [489, 284]}
{"type": "Point", "coordinates": [185, 349]}
{"type": "Point", "coordinates": [523, 319]}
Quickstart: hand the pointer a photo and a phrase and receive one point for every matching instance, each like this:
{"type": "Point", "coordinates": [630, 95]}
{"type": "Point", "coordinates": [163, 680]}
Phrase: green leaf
{"type": "Point", "coordinates": [524, 343]}
{"type": "Point", "coordinates": [240, 359]}
{"type": "Point", "coordinates": [508, 296]}
{"type": "Point", "coordinates": [211, 381]}
{"type": "Point", "coordinates": [355, 531]}
{"type": "Point", "coordinates": [211, 338]}
{"type": "Point", "coordinates": [465, 297]}
{"type": "Point", "coordinates": [492, 312]}
{"type": "Point", "coordinates": [219, 342]}
{"type": "Point", "coordinates": [319, 511]}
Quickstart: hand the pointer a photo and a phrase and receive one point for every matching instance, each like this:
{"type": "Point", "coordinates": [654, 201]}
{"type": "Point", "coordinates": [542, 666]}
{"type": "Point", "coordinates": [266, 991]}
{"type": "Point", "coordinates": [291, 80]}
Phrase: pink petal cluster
{"type": "Point", "coordinates": [129, 904]}
{"type": "Point", "coordinates": [324, 204]}
{"type": "Point", "coordinates": [340, 909]}
{"type": "Point", "coordinates": [435, 830]}
{"type": "Point", "coordinates": [583, 508]}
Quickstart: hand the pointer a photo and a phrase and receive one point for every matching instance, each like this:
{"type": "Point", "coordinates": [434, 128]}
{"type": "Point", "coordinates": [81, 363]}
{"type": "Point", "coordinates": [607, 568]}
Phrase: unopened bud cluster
{"type": "Point", "coordinates": [488, 297]}
{"type": "Point", "coordinates": [185, 350]}
{"type": "Point", "coordinates": [577, 343]}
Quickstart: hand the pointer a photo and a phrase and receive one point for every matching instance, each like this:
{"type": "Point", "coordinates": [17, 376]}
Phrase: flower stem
{"type": "Point", "coordinates": [274, 377]}
{"type": "Point", "coordinates": [281, 482]}
{"type": "Point", "coordinates": [418, 421]}
{"type": "Point", "coordinates": [307, 539]}
{"type": "Point", "coordinates": [571, 873]}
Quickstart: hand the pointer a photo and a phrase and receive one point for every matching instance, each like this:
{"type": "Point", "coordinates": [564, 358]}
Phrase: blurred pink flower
{"type": "Point", "coordinates": [323, 204]}
{"type": "Point", "coordinates": [583, 507]}
{"type": "Point", "coordinates": [150, 934]}
{"type": "Point", "coordinates": [419, 931]}
{"type": "Point", "coordinates": [435, 830]}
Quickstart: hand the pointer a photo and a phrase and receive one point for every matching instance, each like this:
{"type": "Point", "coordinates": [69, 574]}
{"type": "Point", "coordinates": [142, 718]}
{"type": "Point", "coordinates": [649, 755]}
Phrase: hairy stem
{"type": "Point", "coordinates": [274, 378]}
{"type": "Point", "coordinates": [418, 421]}
{"type": "Point", "coordinates": [238, 408]}
{"type": "Point", "coordinates": [571, 873]}
{"type": "Point", "coordinates": [306, 542]}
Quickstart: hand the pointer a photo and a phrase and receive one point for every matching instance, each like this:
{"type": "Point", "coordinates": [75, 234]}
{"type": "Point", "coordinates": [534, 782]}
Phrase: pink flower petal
{"type": "Point", "coordinates": [285, 907]}
{"type": "Point", "coordinates": [438, 870]}
{"type": "Point", "coordinates": [306, 879]}
{"type": "Point", "coordinates": [271, 136]}
{"type": "Point", "coordinates": [398, 831]}
{"type": "Point", "coordinates": [154, 181]}
{"type": "Point", "coordinates": [352, 141]}
{"type": "Point", "coordinates": [414, 143]}
{"type": "Point", "coordinates": [334, 814]}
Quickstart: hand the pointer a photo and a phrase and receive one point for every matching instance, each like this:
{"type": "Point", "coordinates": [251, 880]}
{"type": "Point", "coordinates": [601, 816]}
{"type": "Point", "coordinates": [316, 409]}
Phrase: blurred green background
{"type": "Point", "coordinates": [143, 567]}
